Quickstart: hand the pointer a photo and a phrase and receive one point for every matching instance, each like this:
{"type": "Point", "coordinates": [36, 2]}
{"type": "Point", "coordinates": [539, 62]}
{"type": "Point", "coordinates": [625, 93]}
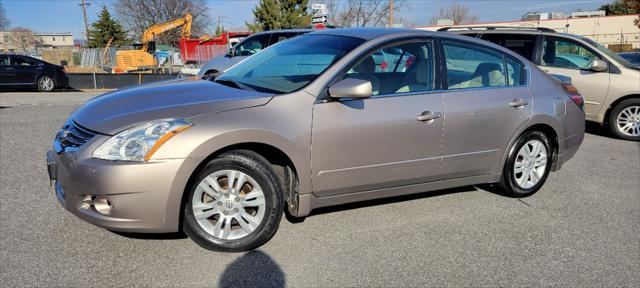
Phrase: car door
{"type": "Point", "coordinates": [26, 69]}
{"type": "Point", "coordinates": [486, 102]}
{"type": "Point", "coordinates": [6, 71]}
{"type": "Point", "coordinates": [570, 58]}
{"type": "Point", "coordinates": [389, 140]}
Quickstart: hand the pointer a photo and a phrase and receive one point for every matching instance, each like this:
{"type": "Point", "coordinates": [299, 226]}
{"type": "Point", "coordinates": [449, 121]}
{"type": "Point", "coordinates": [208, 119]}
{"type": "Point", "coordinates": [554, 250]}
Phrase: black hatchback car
{"type": "Point", "coordinates": [24, 71]}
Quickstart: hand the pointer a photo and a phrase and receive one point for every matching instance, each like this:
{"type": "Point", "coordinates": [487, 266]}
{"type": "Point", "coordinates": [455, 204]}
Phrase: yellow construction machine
{"type": "Point", "coordinates": [139, 59]}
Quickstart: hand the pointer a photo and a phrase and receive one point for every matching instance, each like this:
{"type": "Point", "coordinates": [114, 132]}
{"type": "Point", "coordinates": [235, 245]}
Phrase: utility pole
{"type": "Point", "coordinates": [391, 13]}
{"type": "Point", "coordinates": [84, 14]}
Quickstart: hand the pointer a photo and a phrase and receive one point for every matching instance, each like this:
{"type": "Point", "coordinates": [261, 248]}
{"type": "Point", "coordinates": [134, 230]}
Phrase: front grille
{"type": "Point", "coordinates": [71, 137]}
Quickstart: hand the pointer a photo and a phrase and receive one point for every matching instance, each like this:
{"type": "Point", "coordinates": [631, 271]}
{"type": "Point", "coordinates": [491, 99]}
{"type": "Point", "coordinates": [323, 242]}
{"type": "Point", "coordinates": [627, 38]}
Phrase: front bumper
{"type": "Point", "coordinates": [144, 197]}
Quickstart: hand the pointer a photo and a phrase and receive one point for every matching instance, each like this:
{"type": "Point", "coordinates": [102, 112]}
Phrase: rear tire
{"type": "Point", "coordinates": [46, 84]}
{"type": "Point", "coordinates": [624, 120]}
{"type": "Point", "coordinates": [239, 215]}
{"type": "Point", "coordinates": [527, 166]}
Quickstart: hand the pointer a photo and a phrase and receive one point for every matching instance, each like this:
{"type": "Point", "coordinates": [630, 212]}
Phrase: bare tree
{"type": "Point", "coordinates": [138, 15]}
{"type": "Point", "coordinates": [4, 21]}
{"type": "Point", "coordinates": [459, 14]}
{"type": "Point", "coordinates": [23, 39]}
{"type": "Point", "coordinates": [360, 13]}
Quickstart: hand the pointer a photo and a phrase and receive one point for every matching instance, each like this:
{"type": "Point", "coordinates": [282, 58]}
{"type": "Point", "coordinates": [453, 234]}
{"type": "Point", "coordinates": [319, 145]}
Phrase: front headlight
{"type": "Point", "coordinates": [140, 142]}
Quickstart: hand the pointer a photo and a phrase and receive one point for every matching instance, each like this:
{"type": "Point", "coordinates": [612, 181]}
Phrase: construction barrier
{"type": "Point", "coordinates": [114, 81]}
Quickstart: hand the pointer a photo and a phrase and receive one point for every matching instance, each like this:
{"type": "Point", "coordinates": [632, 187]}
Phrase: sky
{"type": "Point", "coordinates": [66, 15]}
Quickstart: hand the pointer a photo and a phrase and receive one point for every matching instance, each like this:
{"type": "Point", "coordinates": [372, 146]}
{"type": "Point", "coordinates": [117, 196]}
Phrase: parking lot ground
{"type": "Point", "coordinates": [581, 229]}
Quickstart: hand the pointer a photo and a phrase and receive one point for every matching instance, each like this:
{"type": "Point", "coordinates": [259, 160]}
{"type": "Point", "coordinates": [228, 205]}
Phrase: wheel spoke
{"type": "Point", "coordinates": [253, 199]}
{"type": "Point", "coordinates": [534, 177]}
{"type": "Point", "coordinates": [238, 183]}
{"type": "Point", "coordinates": [205, 210]}
{"type": "Point", "coordinates": [519, 167]}
{"type": "Point", "coordinates": [247, 222]}
{"type": "Point", "coordinates": [212, 189]}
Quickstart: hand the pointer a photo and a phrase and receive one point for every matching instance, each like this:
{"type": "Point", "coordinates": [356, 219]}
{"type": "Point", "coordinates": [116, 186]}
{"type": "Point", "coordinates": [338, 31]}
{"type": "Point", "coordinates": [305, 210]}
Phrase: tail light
{"type": "Point", "coordinates": [573, 93]}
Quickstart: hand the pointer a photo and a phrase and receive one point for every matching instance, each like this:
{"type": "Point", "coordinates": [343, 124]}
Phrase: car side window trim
{"type": "Point", "coordinates": [490, 50]}
{"type": "Point", "coordinates": [323, 97]}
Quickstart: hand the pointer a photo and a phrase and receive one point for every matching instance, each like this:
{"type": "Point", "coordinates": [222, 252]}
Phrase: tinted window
{"type": "Point", "coordinates": [519, 43]}
{"type": "Point", "coordinates": [25, 61]}
{"type": "Point", "coordinates": [275, 38]}
{"type": "Point", "coordinates": [252, 45]}
{"type": "Point", "coordinates": [516, 74]}
{"type": "Point", "coordinates": [4, 60]}
{"type": "Point", "coordinates": [399, 68]}
{"type": "Point", "coordinates": [562, 53]}
{"type": "Point", "coordinates": [290, 65]}
{"type": "Point", "coordinates": [471, 67]}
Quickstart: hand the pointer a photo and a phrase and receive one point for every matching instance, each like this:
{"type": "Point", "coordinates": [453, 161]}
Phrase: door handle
{"type": "Point", "coordinates": [427, 116]}
{"type": "Point", "coordinates": [518, 103]}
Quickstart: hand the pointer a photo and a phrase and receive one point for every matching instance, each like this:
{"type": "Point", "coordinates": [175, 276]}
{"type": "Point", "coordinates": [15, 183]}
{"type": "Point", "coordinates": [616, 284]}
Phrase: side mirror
{"type": "Point", "coordinates": [598, 65]}
{"type": "Point", "coordinates": [351, 88]}
{"type": "Point", "coordinates": [230, 52]}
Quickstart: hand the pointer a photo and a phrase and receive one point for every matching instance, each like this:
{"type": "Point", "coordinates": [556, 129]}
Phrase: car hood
{"type": "Point", "coordinates": [220, 64]}
{"type": "Point", "coordinates": [115, 111]}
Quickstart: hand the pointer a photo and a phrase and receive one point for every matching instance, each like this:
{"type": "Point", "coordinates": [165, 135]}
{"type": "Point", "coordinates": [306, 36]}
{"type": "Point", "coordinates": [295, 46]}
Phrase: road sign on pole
{"type": "Point", "coordinates": [319, 19]}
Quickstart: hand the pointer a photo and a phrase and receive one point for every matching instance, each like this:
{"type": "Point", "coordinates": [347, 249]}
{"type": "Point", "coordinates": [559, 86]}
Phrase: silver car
{"type": "Point", "coordinates": [247, 47]}
{"type": "Point", "coordinates": [310, 123]}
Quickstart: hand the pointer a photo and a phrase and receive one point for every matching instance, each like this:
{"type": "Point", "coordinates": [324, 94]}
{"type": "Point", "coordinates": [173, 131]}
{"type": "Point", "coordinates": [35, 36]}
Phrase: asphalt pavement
{"type": "Point", "coordinates": [581, 229]}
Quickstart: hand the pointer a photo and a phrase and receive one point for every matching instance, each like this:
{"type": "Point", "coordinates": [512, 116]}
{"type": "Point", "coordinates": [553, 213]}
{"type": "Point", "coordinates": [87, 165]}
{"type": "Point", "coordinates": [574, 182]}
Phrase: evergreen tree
{"type": "Point", "coordinates": [280, 14]}
{"type": "Point", "coordinates": [106, 28]}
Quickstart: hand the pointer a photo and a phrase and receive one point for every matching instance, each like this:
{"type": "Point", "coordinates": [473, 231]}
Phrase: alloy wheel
{"type": "Point", "coordinates": [46, 84]}
{"type": "Point", "coordinates": [628, 121]}
{"type": "Point", "coordinates": [228, 204]}
{"type": "Point", "coordinates": [530, 164]}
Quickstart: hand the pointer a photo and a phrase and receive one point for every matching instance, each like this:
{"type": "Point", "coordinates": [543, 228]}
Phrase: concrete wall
{"type": "Point", "coordinates": [605, 30]}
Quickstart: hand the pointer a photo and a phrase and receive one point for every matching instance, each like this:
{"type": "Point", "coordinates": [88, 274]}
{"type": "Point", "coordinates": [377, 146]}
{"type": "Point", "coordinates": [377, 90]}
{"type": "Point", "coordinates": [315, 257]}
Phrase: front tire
{"type": "Point", "coordinates": [624, 120]}
{"type": "Point", "coordinates": [528, 164]}
{"type": "Point", "coordinates": [46, 84]}
{"type": "Point", "coordinates": [235, 203]}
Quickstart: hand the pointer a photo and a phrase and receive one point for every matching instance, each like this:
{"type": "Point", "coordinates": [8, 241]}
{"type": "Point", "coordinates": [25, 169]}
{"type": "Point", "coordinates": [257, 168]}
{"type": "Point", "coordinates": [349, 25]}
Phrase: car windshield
{"type": "Point", "coordinates": [606, 51]}
{"type": "Point", "coordinates": [289, 65]}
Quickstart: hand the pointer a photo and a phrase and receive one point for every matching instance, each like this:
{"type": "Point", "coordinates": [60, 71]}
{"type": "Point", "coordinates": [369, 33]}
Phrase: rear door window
{"type": "Point", "coordinates": [473, 67]}
{"type": "Point", "coordinates": [25, 61]}
{"type": "Point", "coordinates": [516, 73]}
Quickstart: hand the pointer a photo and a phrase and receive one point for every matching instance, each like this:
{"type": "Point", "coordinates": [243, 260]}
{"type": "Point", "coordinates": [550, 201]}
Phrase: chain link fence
{"type": "Point", "coordinates": [114, 81]}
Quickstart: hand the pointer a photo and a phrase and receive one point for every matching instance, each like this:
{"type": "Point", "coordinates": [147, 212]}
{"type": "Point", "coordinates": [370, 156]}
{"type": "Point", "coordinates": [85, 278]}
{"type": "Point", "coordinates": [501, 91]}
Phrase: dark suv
{"type": "Point", "coordinates": [25, 71]}
{"type": "Point", "coordinates": [609, 83]}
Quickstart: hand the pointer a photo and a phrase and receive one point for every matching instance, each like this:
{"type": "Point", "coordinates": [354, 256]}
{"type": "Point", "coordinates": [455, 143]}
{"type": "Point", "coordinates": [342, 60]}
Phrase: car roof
{"type": "Point", "coordinates": [372, 33]}
{"type": "Point", "coordinates": [296, 30]}
{"type": "Point", "coordinates": [527, 31]}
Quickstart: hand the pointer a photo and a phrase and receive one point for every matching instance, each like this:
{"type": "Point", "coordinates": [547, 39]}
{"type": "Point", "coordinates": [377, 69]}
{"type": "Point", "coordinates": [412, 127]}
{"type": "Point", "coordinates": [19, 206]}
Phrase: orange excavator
{"type": "Point", "coordinates": [139, 59]}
